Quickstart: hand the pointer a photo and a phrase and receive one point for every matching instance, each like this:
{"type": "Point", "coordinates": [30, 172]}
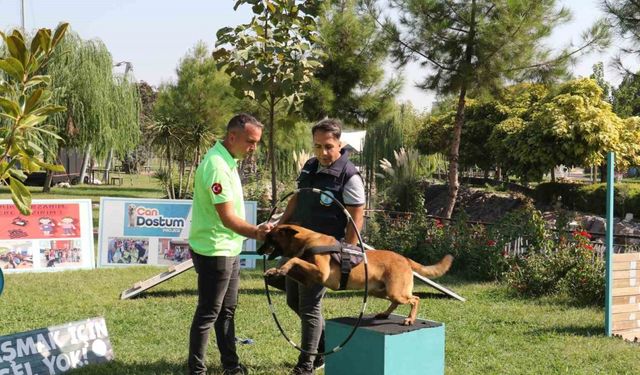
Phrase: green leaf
{"type": "Point", "coordinates": [220, 54]}
{"type": "Point", "coordinates": [44, 39]}
{"type": "Point", "coordinates": [17, 48]}
{"type": "Point", "coordinates": [48, 110]}
{"type": "Point", "coordinates": [223, 31]}
{"type": "Point", "coordinates": [20, 195]}
{"type": "Point", "coordinates": [35, 80]}
{"type": "Point", "coordinates": [33, 100]}
{"type": "Point", "coordinates": [258, 8]}
{"type": "Point", "coordinates": [31, 121]}
{"type": "Point", "coordinates": [10, 70]}
{"type": "Point", "coordinates": [10, 107]}
{"type": "Point", "coordinates": [48, 132]}
{"type": "Point", "coordinates": [51, 167]}
{"type": "Point", "coordinates": [59, 33]}
{"type": "Point", "coordinates": [20, 175]}
{"type": "Point", "coordinates": [8, 117]}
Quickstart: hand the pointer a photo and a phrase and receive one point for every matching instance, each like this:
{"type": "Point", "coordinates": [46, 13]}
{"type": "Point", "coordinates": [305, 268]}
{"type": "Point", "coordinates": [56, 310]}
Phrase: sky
{"type": "Point", "coordinates": [155, 34]}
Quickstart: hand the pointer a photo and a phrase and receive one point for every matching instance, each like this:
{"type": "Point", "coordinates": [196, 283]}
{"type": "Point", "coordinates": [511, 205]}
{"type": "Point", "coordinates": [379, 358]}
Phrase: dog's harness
{"type": "Point", "coordinates": [347, 255]}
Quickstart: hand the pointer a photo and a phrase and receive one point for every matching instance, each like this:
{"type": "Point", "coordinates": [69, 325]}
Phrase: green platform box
{"type": "Point", "coordinates": [385, 347]}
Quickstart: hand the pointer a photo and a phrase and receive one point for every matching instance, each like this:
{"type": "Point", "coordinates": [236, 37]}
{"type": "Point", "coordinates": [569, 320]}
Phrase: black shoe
{"type": "Point", "coordinates": [239, 370]}
{"type": "Point", "coordinates": [318, 363]}
{"type": "Point", "coordinates": [303, 370]}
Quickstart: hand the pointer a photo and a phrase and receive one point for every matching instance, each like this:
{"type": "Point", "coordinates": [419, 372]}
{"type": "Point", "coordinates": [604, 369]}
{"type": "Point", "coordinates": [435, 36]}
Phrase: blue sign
{"type": "Point", "coordinates": [155, 219]}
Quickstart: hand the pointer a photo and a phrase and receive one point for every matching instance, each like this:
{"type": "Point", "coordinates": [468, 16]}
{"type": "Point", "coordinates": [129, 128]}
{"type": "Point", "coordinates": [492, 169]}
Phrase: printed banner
{"type": "Point", "coordinates": [58, 235]}
{"type": "Point", "coordinates": [151, 231]}
{"type": "Point", "coordinates": [56, 350]}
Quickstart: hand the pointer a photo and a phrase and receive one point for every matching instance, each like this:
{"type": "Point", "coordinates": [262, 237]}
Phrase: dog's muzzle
{"type": "Point", "coordinates": [270, 249]}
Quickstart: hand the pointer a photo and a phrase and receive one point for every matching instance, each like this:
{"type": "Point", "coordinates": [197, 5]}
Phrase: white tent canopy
{"type": "Point", "coordinates": [353, 139]}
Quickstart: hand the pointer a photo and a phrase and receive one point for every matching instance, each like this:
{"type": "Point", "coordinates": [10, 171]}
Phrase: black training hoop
{"type": "Point", "coordinates": [1, 281]}
{"type": "Point", "coordinates": [366, 276]}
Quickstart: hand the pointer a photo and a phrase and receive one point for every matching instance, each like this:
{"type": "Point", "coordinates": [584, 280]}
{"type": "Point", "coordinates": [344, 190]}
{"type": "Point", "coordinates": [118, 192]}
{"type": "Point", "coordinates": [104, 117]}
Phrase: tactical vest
{"type": "Point", "coordinates": [316, 211]}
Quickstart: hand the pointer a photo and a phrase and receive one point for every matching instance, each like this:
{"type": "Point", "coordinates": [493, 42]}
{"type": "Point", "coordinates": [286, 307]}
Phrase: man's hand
{"type": "Point", "coordinates": [262, 230]}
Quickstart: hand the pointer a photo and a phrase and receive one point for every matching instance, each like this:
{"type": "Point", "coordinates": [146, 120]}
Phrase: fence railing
{"type": "Point", "coordinates": [520, 247]}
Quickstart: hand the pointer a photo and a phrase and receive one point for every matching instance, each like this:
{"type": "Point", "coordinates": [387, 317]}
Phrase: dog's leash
{"type": "Point", "coordinates": [366, 275]}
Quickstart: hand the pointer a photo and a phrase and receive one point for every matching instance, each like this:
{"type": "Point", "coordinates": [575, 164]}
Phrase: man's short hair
{"type": "Point", "coordinates": [328, 125]}
{"type": "Point", "coordinates": [240, 121]}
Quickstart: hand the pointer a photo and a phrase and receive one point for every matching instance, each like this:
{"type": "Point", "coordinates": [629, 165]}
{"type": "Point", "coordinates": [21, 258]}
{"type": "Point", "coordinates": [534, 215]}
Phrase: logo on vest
{"type": "Point", "coordinates": [216, 188]}
{"type": "Point", "coordinates": [324, 199]}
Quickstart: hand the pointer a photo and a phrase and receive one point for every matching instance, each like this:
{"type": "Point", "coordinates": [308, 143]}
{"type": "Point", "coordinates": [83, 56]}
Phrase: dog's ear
{"type": "Point", "coordinates": [288, 231]}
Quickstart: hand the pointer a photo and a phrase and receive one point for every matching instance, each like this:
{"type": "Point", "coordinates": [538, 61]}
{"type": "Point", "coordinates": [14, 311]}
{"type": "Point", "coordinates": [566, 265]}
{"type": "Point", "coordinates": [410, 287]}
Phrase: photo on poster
{"type": "Point", "coordinates": [16, 255]}
{"type": "Point", "coordinates": [173, 250]}
{"type": "Point", "coordinates": [127, 250]}
{"type": "Point", "coordinates": [54, 220]}
{"type": "Point", "coordinates": [60, 253]}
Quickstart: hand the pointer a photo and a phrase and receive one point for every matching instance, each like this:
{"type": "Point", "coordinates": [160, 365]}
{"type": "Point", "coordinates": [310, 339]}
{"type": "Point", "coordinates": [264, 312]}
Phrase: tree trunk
{"type": "Point", "coordinates": [454, 184]}
{"type": "Point", "coordinates": [170, 191]}
{"type": "Point", "coordinates": [195, 160]}
{"type": "Point", "coordinates": [85, 163]}
{"type": "Point", "coordinates": [107, 166]}
{"type": "Point", "coordinates": [183, 164]}
{"type": "Point", "coordinates": [272, 152]}
{"type": "Point", "coordinates": [553, 174]}
{"type": "Point", "coordinates": [486, 174]}
{"type": "Point", "coordinates": [47, 182]}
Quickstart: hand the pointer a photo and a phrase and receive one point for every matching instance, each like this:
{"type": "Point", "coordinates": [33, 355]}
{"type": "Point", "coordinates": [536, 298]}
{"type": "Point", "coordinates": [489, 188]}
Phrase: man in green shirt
{"type": "Point", "coordinates": [218, 228]}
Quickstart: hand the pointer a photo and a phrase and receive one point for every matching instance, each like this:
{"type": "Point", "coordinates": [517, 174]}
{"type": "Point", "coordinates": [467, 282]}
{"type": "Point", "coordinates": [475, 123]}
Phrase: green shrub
{"type": "Point", "coordinates": [590, 198]}
{"type": "Point", "coordinates": [478, 256]}
{"type": "Point", "coordinates": [570, 268]}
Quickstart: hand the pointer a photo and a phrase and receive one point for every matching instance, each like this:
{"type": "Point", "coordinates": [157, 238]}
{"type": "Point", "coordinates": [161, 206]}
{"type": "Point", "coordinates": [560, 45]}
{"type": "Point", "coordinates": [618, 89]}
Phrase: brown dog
{"type": "Point", "coordinates": [390, 274]}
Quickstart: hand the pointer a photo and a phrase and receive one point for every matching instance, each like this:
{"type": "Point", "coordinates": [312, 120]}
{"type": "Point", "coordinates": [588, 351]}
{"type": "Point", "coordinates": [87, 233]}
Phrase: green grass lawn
{"type": "Point", "coordinates": [491, 333]}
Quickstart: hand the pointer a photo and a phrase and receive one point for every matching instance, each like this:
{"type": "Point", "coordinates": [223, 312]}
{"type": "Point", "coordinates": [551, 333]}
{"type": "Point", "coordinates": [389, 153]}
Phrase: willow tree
{"type": "Point", "coordinates": [272, 59]}
{"type": "Point", "coordinates": [478, 45]}
{"type": "Point", "coordinates": [102, 109]}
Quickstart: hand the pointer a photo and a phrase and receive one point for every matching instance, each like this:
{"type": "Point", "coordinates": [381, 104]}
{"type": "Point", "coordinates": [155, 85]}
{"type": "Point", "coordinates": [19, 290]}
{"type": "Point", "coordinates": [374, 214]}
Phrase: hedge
{"type": "Point", "coordinates": [590, 198]}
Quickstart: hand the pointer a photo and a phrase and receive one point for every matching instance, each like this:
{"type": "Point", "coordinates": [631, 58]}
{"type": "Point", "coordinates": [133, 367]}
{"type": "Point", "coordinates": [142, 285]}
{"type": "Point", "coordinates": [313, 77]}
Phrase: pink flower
{"type": "Point", "coordinates": [491, 243]}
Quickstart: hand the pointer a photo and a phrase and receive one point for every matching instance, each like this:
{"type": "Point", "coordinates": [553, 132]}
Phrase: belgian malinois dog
{"type": "Point", "coordinates": [390, 274]}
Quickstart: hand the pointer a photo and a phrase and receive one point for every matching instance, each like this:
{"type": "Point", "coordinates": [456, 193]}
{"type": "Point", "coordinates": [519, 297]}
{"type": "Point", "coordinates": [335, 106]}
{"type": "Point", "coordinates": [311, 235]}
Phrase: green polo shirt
{"type": "Point", "coordinates": [217, 181]}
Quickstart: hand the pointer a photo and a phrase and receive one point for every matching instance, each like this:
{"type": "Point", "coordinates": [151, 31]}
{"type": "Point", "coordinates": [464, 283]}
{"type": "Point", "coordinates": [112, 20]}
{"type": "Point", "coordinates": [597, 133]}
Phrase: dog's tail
{"type": "Point", "coordinates": [434, 270]}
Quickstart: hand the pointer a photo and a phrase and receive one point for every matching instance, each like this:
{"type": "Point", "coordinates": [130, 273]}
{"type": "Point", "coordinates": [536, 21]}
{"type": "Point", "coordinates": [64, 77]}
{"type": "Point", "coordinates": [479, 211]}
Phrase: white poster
{"type": "Point", "coordinates": [58, 235]}
{"type": "Point", "coordinates": [152, 231]}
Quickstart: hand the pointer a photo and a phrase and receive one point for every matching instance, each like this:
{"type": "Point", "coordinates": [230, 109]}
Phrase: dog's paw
{"type": "Point", "coordinates": [408, 322]}
{"type": "Point", "coordinates": [272, 272]}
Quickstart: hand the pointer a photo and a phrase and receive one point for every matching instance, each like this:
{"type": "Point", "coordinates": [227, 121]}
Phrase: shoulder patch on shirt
{"type": "Point", "coordinates": [216, 188]}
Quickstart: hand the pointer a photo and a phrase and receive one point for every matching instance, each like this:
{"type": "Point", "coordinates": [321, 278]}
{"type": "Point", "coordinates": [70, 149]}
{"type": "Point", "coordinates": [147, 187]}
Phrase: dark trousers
{"type": "Point", "coordinates": [218, 280]}
{"type": "Point", "coordinates": [307, 303]}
